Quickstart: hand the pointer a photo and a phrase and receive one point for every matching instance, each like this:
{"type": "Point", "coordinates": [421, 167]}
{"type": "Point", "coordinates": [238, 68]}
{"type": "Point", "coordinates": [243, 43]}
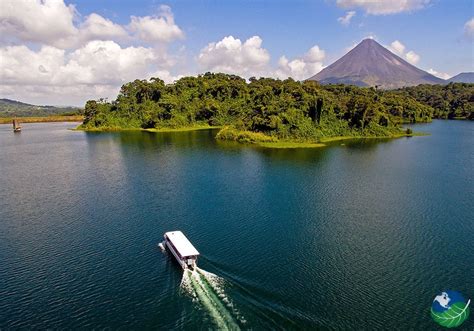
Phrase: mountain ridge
{"type": "Point", "coordinates": [463, 77]}
{"type": "Point", "coordinates": [14, 108]}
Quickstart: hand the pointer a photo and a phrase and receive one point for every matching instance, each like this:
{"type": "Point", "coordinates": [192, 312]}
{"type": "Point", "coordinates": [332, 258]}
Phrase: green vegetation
{"type": "Point", "coordinates": [230, 133]}
{"type": "Point", "coordinates": [452, 101]}
{"type": "Point", "coordinates": [10, 108]}
{"type": "Point", "coordinates": [263, 111]}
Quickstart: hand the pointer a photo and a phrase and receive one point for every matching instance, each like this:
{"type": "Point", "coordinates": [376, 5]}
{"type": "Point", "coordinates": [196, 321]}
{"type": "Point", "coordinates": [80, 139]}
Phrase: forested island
{"type": "Point", "coordinates": [276, 112]}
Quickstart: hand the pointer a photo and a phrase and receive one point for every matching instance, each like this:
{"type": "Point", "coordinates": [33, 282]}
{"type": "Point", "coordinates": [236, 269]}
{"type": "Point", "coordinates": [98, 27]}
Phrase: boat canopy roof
{"type": "Point", "coordinates": [181, 243]}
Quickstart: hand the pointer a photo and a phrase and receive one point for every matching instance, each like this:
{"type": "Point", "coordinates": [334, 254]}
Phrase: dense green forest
{"type": "Point", "coordinates": [455, 100]}
{"type": "Point", "coordinates": [267, 109]}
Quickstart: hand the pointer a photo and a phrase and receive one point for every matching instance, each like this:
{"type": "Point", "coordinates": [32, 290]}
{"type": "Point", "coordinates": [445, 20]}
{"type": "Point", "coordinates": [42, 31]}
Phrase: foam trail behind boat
{"type": "Point", "coordinates": [206, 289]}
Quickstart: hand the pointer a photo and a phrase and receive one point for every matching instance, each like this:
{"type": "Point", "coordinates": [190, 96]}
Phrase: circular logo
{"type": "Point", "coordinates": [450, 309]}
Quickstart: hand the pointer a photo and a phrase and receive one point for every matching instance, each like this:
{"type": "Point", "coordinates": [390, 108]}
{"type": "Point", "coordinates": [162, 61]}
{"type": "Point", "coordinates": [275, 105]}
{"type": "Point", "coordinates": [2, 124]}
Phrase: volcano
{"type": "Point", "coordinates": [371, 64]}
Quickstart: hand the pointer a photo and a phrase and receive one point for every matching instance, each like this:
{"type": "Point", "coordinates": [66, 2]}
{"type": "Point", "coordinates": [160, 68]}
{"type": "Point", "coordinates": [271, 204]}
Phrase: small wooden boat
{"type": "Point", "coordinates": [16, 126]}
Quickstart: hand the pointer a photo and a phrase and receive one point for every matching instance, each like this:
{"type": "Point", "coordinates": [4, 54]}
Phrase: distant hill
{"type": "Point", "coordinates": [371, 64]}
{"type": "Point", "coordinates": [463, 77]}
{"type": "Point", "coordinates": [13, 108]}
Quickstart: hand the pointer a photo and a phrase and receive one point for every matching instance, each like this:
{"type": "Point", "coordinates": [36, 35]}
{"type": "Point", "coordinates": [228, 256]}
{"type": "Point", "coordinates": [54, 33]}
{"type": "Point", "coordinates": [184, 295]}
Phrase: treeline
{"type": "Point", "coordinates": [455, 100]}
{"type": "Point", "coordinates": [285, 109]}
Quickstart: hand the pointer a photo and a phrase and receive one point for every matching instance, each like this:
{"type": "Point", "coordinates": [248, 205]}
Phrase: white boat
{"type": "Point", "coordinates": [182, 249]}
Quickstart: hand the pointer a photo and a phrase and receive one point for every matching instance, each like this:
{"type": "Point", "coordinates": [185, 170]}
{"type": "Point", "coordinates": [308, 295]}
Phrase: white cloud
{"type": "Point", "coordinates": [230, 55]}
{"type": "Point", "coordinates": [303, 67]}
{"type": "Point", "coordinates": [469, 28]}
{"type": "Point", "coordinates": [98, 66]}
{"type": "Point", "coordinates": [346, 19]}
{"type": "Point", "coordinates": [20, 65]}
{"type": "Point", "coordinates": [107, 63]}
{"type": "Point", "coordinates": [398, 48]}
{"type": "Point", "coordinates": [58, 95]}
{"type": "Point", "coordinates": [166, 76]}
{"type": "Point", "coordinates": [315, 54]}
{"type": "Point", "coordinates": [249, 58]}
{"type": "Point", "coordinates": [43, 21]}
{"type": "Point", "coordinates": [161, 28]}
{"type": "Point", "coordinates": [45, 77]}
{"type": "Point", "coordinates": [81, 58]}
{"type": "Point", "coordinates": [52, 22]}
{"type": "Point", "coordinates": [383, 7]}
{"type": "Point", "coordinates": [412, 57]}
{"type": "Point", "coordinates": [441, 75]}
{"type": "Point", "coordinates": [96, 27]}
{"type": "Point", "coordinates": [98, 62]}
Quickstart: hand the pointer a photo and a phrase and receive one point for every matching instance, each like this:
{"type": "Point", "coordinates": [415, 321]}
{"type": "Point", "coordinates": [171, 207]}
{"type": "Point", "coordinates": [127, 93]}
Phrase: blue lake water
{"type": "Point", "coordinates": [357, 235]}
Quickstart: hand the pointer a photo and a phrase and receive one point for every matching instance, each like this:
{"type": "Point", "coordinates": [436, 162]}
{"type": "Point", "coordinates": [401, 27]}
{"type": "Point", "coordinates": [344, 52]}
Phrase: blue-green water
{"type": "Point", "coordinates": [355, 236]}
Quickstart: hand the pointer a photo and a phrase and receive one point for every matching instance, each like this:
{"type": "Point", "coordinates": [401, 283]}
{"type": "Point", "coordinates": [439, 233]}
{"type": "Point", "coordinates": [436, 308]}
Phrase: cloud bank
{"type": "Point", "coordinates": [44, 61]}
{"type": "Point", "coordinates": [231, 55]}
{"type": "Point", "coordinates": [383, 7]}
{"type": "Point", "coordinates": [249, 58]}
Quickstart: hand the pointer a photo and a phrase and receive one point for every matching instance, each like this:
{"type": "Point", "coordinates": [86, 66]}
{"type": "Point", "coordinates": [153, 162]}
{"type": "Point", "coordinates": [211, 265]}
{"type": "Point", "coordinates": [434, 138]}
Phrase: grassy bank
{"type": "Point", "coordinates": [72, 118]}
{"type": "Point", "coordinates": [260, 139]}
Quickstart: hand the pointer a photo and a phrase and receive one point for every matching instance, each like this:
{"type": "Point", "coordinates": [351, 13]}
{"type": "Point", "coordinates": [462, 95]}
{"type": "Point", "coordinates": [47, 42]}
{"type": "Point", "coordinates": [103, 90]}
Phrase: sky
{"type": "Point", "coordinates": [66, 52]}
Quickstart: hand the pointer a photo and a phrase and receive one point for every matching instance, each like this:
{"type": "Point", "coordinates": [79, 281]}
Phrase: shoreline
{"type": "Point", "coordinates": [263, 140]}
{"type": "Point", "coordinates": [157, 130]}
{"type": "Point", "coordinates": [401, 135]}
{"type": "Point", "coordinates": [43, 119]}
{"type": "Point", "coordinates": [322, 142]}
{"type": "Point", "coordinates": [271, 142]}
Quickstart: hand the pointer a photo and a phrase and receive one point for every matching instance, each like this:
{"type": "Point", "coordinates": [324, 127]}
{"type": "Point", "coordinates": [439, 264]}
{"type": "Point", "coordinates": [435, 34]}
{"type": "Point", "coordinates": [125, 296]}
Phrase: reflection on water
{"type": "Point", "coordinates": [351, 236]}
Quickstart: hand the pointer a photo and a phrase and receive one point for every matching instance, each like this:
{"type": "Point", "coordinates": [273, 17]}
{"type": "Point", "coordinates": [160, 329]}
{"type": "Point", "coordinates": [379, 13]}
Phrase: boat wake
{"type": "Point", "coordinates": [206, 289]}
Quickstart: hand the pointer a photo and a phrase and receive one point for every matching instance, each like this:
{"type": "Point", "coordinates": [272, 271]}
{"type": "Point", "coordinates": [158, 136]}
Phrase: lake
{"type": "Point", "coordinates": [358, 235]}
